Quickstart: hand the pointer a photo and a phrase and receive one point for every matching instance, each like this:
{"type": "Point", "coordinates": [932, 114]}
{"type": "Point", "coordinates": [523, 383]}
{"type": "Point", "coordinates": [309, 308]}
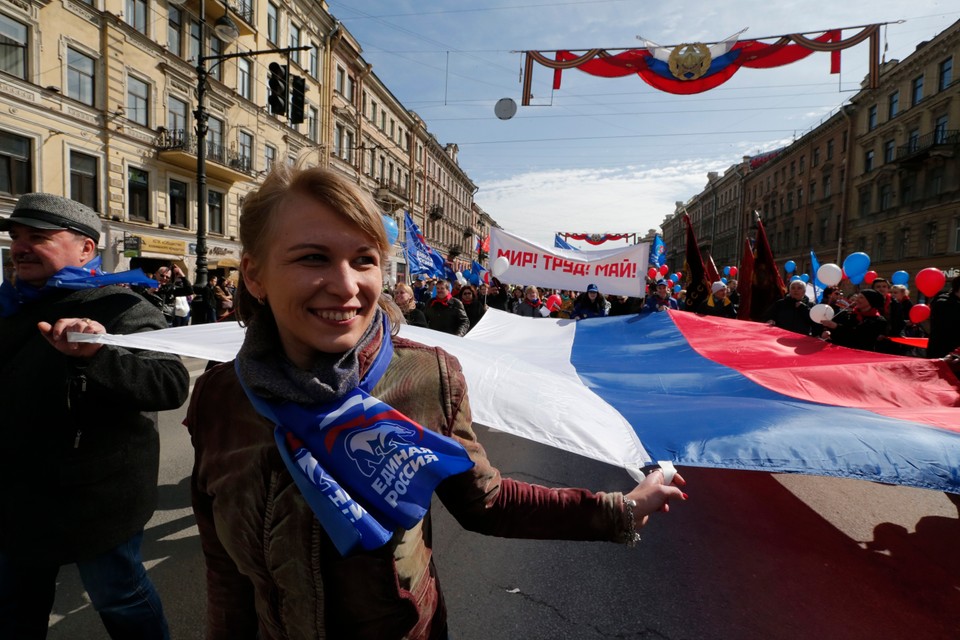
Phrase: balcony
{"type": "Point", "coordinates": [179, 148]}
{"type": "Point", "coordinates": [936, 143]}
{"type": "Point", "coordinates": [392, 193]}
{"type": "Point", "coordinates": [435, 212]}
{"type": "Point", "coordinates": [468, 231]}
{"type": "Point", "coordinates": [242, 9]}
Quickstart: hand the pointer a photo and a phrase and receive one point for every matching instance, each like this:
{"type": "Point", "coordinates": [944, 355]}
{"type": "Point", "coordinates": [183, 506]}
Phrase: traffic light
{"type": "Point", "coordinates": [298, 92]}
{"type": "Point", "coordinates": [277, 83]}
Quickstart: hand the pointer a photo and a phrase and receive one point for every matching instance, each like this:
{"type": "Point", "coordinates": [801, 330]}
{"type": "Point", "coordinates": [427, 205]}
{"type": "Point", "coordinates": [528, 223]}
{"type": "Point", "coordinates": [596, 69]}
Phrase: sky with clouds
{"type": "Point", "coordinates": [611, 155]}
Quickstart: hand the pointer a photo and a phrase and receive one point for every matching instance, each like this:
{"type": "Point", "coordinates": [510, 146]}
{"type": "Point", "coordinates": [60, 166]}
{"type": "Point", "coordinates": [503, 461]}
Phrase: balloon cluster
{"type": "Point", "coordinates": [856, 268]}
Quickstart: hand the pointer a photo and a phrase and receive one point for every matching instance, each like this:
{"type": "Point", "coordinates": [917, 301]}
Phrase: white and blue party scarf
{"type": "Point", "coordinates": [365, 469]}
{"type": "Point", "coordinates": [89, 276]}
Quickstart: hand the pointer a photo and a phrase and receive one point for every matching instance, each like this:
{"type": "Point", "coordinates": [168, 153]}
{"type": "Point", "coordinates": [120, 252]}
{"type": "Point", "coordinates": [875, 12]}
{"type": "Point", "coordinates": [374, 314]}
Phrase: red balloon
{"type": "Point", "coordinates": [553, 302]}
{"type": "Point", "coordinates": [664, 270]}
{"type": "Point", "coordinates": [652, 273]}
{"type": "Point", "coordinates": [870, 276]}
{"type": "Point", "coordinates": [733, 271]}
{"type": "Point", "coordinates": [679, 275]}
{"type": "Point", "coordinates": [919, 313]}
{"type": "Point", "coordinates": [930, 281]}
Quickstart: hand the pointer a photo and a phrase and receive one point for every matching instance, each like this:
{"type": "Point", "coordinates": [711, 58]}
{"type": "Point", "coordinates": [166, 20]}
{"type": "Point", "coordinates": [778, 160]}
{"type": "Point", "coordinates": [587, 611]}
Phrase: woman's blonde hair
{"type": "Point", "coordinates": [263, 207]}
{"type": "Point", "coordinates": [401, 286]}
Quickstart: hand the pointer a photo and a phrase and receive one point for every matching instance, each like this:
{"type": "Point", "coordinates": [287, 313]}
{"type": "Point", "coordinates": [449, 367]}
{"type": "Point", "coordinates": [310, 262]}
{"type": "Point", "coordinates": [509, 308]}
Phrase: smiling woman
{"type": "Point", "coordinates": [319, 449]}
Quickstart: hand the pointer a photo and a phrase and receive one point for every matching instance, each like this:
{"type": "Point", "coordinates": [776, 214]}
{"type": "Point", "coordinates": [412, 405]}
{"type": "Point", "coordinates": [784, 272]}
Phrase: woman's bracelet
{"type": "Point", "coordinates": [630, 536]}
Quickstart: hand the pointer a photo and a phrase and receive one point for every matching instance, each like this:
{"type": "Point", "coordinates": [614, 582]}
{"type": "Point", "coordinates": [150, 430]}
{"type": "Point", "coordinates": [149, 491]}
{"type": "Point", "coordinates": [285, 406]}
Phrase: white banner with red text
{"type": "Point", "coordinates": [615, 271]}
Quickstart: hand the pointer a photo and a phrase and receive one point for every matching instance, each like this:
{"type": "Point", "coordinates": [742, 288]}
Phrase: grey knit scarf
{"type": "Point", "coordinates": [266, 370]}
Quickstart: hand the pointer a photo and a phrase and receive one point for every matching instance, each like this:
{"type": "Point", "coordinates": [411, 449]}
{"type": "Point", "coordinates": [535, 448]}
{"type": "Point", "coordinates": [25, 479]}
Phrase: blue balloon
{"type": "Point", "coordinates": [789, 266]}
{"type": "Point", "coordinates": [677, 288]}
{"type": "Point", "coordinates": [900, 277]}
{"type": "Point", "coordinates": [805, 277]}
{"type": "Point", "coordinates": [856, 264]}
{"type": "Point", "coordinates": [726, 271]}
{"type": "Point", "coordinates": [795, 278]}
{"type": "Point", "coordinates": [723, 280]}
{"type": "Point", "coordinates": [856, 279]}
{"type": "Point", "coordinates": [674, 278]}
{"type": "Point", "coordinates": [393, 231]}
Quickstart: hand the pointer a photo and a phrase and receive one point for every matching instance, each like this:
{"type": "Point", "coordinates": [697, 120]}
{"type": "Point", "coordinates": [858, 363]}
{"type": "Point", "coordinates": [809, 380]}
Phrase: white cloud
{"type": "Point", "coordinates": [537, 204]}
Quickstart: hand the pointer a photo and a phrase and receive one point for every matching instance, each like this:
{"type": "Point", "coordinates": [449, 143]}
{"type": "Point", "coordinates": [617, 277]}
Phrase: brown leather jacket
{"type": "Point", "coordinates": [272, 568]}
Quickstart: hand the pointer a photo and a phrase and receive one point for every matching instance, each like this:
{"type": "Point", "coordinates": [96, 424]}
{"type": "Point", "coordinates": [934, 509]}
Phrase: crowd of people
{"type": "Point", "coordinates": [183, 303]}
{"type": "Point", "coordinates": [865, 319]}
{"type": "Point", "coordinates": [283, 432]}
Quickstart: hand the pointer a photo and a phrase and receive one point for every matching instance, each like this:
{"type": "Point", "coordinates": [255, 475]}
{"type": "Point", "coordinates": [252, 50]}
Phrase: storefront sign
{"type": "Point", "coordinates": [167, 246]}
{"type": "Point", "coordinates": [131, 246]}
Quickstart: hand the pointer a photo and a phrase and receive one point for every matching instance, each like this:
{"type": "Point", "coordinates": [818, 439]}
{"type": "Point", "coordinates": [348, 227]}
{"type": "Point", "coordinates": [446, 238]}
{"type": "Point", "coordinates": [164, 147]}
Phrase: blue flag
{"type": "Point", "coordinates": [818, 286]}
{"type": "Point", "coordinates": [560, 243]}
{"type": "Point", "coordinates": [421, 258]}
{"type": "Point", "coordinates": [658, 252]}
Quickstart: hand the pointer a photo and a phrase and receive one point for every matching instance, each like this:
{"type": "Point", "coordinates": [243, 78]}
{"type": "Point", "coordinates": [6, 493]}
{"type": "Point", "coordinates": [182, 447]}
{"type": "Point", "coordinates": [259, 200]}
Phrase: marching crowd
{"type": "Point", "coordinates": [866, 319]}
{"type": "Point", "coordinates": [321, 340]}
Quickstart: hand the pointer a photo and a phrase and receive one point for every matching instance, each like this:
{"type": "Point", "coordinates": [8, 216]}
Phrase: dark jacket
{"type": "Point", "coordinates": [719, 309]}
{"type": "Point", "coordinates": [655, 303]}
{"type": "Point", "coordinates": [857, 333]}
{"type": "Point", "coordinates": [584, 308]}
{"type": "Point", "coordinates": [415, 316]}
{"type": "Point", "coordinates": [944, 325]}
{"type": "Point", "coordinates": [80, 453]}
{"type": "Point", "coordinates": [449, 317]}
{"type": "Point", "coordinates": [793, 315]}
{"type": "Point", "coordinates": [475, 310]}
{"type": "Point", "coordinates": [272, 569]}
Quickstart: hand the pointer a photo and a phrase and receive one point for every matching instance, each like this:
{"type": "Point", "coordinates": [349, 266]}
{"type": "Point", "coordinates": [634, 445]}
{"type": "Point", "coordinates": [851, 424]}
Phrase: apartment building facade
{"type": "Point", "coordinates": [881, 175]}
{"type": "Point", "coordinates": [98, 102]}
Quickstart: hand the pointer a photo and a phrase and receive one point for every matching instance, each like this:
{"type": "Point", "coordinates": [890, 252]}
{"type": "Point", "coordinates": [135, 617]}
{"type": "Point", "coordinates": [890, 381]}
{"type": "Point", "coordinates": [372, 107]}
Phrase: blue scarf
{"type": "Point", "coordinates": [365, 469]}
{"type": "Point", "coordinates": [89, 276]}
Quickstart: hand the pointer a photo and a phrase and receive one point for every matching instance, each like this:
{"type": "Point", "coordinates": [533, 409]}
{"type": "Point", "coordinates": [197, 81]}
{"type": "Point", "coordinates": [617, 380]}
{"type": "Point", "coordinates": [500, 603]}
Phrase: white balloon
{"type": "Point", "coordinates": [821, 312]}
{"type": "Point", "coordinates": [500, 266]}
{"type": "Point", "coordinates": [830, 274]}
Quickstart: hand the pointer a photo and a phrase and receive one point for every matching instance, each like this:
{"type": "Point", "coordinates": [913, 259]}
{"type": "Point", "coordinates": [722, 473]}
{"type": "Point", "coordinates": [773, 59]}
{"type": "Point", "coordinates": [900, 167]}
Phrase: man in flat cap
{"type": "Point", "coordinates": [80, 452]}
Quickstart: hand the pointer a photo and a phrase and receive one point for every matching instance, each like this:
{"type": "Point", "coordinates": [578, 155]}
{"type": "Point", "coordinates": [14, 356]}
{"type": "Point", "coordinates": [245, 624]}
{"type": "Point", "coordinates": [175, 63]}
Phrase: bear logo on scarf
{"type": "Point", "coordinates": [371, 447]}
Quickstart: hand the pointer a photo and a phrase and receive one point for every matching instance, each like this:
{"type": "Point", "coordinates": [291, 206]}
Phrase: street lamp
{"type": "Point", "coordinates": [226, 29]}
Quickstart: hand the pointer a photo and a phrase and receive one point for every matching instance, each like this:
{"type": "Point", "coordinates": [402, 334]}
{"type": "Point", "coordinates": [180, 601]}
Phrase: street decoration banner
{"type": "Point", "coordinates": [617, 272]}
{"type": "Point", "coordinates": [599, 238]}
{"type": "Point", "coordinates": [694, 390]}
{"type": "Point", "coordinates": [691, 68]}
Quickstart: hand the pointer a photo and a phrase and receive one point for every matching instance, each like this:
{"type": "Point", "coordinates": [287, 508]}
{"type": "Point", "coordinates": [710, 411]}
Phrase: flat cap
{"type": "Point", "coordinates": [47, 211]}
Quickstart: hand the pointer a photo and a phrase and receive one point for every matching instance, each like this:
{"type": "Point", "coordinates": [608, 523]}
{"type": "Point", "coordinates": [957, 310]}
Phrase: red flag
{"type": "Point", "coordinates": [698, 288]}
{"type": "Point", "coordinates": [745, 287]}
{"type": "Point", "coordinates": [711, 270]}
{"type": "Point", "coordinates": [767, 286]}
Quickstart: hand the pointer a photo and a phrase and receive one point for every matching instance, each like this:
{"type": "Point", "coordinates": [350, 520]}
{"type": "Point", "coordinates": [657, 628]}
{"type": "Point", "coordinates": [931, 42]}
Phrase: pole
{"type": "Point", "coordinates": [200, 279]}
{"type": "Point", "coordinates": [202, 128]}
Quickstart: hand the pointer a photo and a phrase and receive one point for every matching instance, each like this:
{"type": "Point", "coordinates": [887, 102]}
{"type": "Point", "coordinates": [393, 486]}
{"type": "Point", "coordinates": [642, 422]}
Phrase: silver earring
{"type": "Point", "coordinates": [260, 300]}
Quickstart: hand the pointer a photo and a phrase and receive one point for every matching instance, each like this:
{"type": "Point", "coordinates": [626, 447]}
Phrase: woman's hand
{"type": "Point", "coordinates": [56, 335]}
{"type": "Point", "coordinates": [653, 495]}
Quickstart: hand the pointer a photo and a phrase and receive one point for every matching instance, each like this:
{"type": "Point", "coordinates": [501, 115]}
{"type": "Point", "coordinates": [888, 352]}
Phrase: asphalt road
{"type": "Point", "coordinates": [750, 555]}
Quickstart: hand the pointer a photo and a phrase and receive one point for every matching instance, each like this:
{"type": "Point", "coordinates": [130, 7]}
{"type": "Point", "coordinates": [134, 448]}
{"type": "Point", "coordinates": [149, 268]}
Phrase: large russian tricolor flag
{"type": "Point", "coordinates": [693, 390]}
